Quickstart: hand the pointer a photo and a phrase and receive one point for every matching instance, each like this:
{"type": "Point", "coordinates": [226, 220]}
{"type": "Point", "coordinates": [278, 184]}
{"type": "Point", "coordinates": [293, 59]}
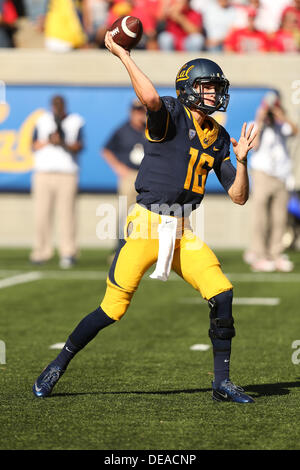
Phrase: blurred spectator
{"type": "Point", "coordinates": [293, 8]}
{"type": "Point", "coordinates": [271, 179]}
{"type": "Point", "coordinates": [218, 19]}
{"type": "Point", "coordinates": [56, 143]}
{"type": "Point", "coordinates": [8, 19]}
{"type": "Point", "coordinates": [247, 39]}
{"type": "Point", "coordinates": [124, 152]}
{"type": "Point", "coordinates": [95, 17]}
{"type": "Point", "coordinates": [119, 8]}
{"type": "Point", "coordinates": [35, 9]}
{"type": "Point", "coordinates": [35, 12]}
{"type": "Point", "coordinates": [242, 12]}
{"type": "Point", "coordinates": [20, 7]}
{"type": "Point", "coordinates": [182, 27]}
{"type": "Point", "coordinates": [200, 5]}
{"type": "Point", "coordinates": [270, 15]}
{"type": "Point", "coordinates": [148, 11]}
{"type": "Point", "coordinates": [287, 38]}
{"type": "Point", "coordinates": [63, 28]}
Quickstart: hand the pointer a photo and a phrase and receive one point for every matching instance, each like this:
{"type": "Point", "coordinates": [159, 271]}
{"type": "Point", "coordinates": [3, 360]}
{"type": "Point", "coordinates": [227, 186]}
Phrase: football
{"type": "Point", "coordinates": [127, 31]}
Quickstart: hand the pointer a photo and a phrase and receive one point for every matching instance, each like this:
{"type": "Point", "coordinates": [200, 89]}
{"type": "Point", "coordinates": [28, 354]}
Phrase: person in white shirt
{"type": "Point", "coordinates": [268, 14]}
{"type": "Point", "coordinates": [57, 141]}
{"type": "Point", "coordinates": [218, 20]}
{"type": "Point", "coordinates": [272, 178]}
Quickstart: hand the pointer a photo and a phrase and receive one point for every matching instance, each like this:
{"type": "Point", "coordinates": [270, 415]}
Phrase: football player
{"type": "Point", "coordinates": [184, 144]}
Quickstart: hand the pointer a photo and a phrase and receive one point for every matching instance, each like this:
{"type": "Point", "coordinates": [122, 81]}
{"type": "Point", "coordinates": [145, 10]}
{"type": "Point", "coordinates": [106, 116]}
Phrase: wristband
{"type": "Point", "coordinates": [243, 162]}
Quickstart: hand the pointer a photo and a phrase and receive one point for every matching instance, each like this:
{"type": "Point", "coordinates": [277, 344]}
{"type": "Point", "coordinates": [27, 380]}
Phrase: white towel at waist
{"type": "Point", "coordinates": [166, 237]}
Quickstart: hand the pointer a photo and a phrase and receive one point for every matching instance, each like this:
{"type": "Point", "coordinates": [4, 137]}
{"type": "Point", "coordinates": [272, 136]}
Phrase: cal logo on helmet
{"type": "Point", "coordinates": [183, 73]}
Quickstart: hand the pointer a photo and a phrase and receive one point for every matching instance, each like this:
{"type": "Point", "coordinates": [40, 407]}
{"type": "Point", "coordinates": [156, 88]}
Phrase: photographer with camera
{"type": "Point", "coordinates": [272, 179]}
{"type": "Point", "coordinates": [57, 140]}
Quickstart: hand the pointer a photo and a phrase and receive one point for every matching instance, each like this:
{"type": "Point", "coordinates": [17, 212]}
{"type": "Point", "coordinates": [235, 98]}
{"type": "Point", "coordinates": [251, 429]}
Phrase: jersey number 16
{"type": "Point", "coordinates": [198, 171]}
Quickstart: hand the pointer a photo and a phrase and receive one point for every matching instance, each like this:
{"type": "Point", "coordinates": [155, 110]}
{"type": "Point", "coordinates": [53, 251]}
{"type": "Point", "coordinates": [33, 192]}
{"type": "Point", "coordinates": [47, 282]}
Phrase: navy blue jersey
{"type": "Point", "coordinates": [178, 157]}
{"type": "Point", "coordinates": [127, 144]}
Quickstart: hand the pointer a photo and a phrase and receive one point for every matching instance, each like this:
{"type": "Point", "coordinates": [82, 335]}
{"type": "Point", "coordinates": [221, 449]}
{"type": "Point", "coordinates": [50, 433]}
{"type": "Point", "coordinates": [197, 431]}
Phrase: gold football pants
{"type": "Point", "coordinates": [193, 260]}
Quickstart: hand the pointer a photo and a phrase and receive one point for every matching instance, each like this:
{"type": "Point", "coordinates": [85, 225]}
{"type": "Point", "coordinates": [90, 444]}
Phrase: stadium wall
{"type": "Point", "coordinates": [99, 68]}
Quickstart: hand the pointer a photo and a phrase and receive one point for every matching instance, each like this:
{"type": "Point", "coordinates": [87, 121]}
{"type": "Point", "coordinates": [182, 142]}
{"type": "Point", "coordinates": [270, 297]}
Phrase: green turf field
{"type": "Point", "coordinates": [138, 385]}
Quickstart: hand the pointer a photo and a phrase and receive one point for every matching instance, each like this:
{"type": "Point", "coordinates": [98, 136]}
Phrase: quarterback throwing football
{"type": "Point", "coordinates": [183, 144]}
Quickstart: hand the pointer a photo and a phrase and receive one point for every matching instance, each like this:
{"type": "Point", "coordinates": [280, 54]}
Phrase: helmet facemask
{"type": "Point", "coordinates": [197, 96]}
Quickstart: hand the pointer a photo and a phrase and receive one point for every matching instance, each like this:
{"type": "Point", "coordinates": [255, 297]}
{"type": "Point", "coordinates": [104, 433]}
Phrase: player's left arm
{"type": "Point", "coordinates": [239, 190]}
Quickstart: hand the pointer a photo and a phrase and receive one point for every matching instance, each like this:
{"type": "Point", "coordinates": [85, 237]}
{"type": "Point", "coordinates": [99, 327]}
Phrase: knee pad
{"type": "Point", "coordinates": [221, 320]}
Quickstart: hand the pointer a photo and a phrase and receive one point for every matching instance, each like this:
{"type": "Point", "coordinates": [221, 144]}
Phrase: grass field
{"type": "Point", "coordinates": [138, 385]}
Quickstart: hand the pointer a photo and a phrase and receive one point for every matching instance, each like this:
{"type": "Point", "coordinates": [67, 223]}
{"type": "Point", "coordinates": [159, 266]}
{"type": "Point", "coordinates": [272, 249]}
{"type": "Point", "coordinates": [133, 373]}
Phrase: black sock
{"type": "Point", "coordinates": [222, 352]}
{"type": "Point", "coordinates": [89, 326]}
{"type": "Point", "coordinates": [222, 345]}
{"type": "Point", "coordinates": [66, 354]}
{"type": "Point", "coordinates": [85, 331]}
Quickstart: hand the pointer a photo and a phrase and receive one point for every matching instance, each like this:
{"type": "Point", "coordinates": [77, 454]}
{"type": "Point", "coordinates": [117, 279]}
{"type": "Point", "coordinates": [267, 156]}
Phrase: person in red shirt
{"type": "Point", "coordinates": [294, 8]}
{"type": "Point", "coordinates": [247, 39]}
{"type": "Point", "coordinates": [148, 11]}
{"type": "Point", "coordinates": [8, 22]}
{"type": "Point", "coordinates": [287, 38]}
{"type": "Point", "coordinates": [182, 27]}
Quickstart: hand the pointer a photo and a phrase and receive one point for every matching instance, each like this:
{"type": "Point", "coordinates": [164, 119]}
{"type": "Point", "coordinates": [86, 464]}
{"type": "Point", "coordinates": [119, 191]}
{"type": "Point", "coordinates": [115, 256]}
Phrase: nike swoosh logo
{"type": "Point", "coordinates": [69, 350]}
{"type": "Point", "coordinates": [215, 149]}
{"type": "Point", "coordinates": [38, 389]}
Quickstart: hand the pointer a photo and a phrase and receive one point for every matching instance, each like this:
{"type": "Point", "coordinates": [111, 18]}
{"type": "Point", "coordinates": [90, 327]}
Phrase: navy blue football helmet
{"type": "Point", "coordinates": [202, 71]}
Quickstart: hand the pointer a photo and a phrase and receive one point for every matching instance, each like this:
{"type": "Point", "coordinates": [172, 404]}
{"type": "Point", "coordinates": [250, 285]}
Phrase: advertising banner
{"type": "Point", "coordinates": [103, 108]}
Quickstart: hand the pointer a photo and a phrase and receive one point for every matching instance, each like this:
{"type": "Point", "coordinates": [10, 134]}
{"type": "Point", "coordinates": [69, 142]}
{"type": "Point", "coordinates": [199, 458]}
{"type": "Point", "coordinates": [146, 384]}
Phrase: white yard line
{"type": "Point", "coordinates": [264, 277]}
{"type": "Point", "coordinates": [57, 346]}
{"type": "Point", "coordinates": [7, 272]}
{"type": "Point", "coordinates": [267, 301]}
{"type": "Point", "coordinates": [200, 347]}
{"type": "Point", "coordinates": [102, 275]}
{"type": "Point", "coordinates": [73, 275]}
{"type": "Point", "coordinates": [20, 279]}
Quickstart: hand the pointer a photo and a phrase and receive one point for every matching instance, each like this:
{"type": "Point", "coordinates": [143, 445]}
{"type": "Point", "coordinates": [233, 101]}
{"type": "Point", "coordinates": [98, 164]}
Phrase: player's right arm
{"type": "Point", "coordinates": [143, 87]}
